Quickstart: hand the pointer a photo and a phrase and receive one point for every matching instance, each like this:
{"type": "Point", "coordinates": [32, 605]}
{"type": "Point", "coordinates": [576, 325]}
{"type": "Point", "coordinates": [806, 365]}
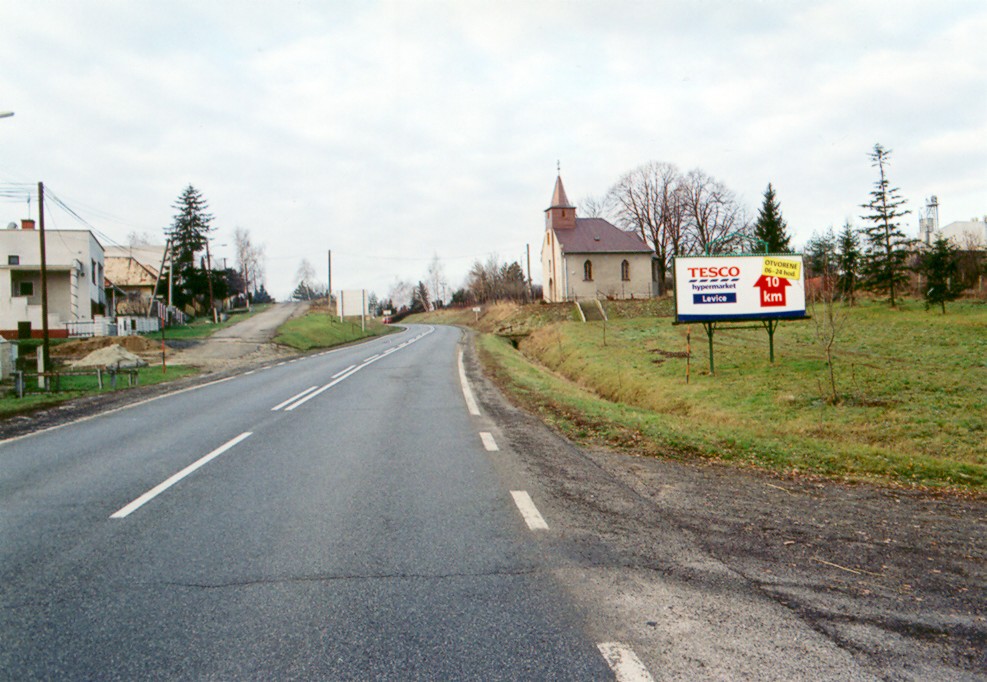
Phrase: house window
{"type": "Point", "coordinates": [625, 271]}
{"type": "Point", "coordinates": [588, 271]}
{"type": "Point", "coordinates": [25, 289]}
{"type": "Point", "coordinates": [13, 260]}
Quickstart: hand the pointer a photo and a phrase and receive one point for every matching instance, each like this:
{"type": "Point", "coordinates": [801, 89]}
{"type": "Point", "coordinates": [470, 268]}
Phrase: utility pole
{"type": "Point", "coordinates": [527, 247]}
{"type": "Point", "coordinates": [329, 286]}
{"type": "Point", "coordinates": [157, 280]}
{"type": "Point", "coordinates": [45, 353]}
{"type": "Point", "coordinates": [212, 302]}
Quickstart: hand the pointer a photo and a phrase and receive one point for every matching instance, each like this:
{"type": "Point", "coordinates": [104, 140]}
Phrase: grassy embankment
{"type": "Point", "coordinates": [912, 408]}
{"type": "Point", "coordinates": [316, 329]}
{"type": "Point", "coordinates": [78, 386]}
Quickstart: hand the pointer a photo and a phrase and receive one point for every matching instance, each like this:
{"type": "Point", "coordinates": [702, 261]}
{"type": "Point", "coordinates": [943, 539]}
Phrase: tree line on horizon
{"type": "Point", "coordinates": [693, 213]}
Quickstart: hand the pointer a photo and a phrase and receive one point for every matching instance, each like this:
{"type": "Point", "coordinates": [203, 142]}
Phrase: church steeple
{"type": "Point", "coordinates": [561, 214]}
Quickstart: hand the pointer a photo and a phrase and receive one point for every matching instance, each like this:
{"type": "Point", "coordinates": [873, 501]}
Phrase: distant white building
{"type": "Point", "coordinates": [969, 235]}
{"type": "Point", "coordinates": [75, 269]}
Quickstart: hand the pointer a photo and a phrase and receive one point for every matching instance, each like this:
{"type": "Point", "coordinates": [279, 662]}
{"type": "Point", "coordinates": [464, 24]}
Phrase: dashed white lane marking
{"type": "Point", "coordinates": [467, 393]}
{"type": "Point", "coordinates": [339, 374]}
{"type": "Point", "coordinates": [488, 441]}
{"type": "Point", "coordinates": [164, 485]}
{"type": "Point", "coordinates": [626, 666]}
{"type": "Point", "coordinates": [528, 510]}
{"type": "Point", "coordinates": [340, 378]}
{"type": "Point", "coordinates": [347, 373]}
{"type": "Point", "coordinates": [293, 398]}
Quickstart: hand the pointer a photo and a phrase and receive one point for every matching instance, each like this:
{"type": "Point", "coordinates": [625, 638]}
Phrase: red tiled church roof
{"type": "Point", "coordinates": [559, 199]}
{"type": "Point", "coordinates": [597, 235]}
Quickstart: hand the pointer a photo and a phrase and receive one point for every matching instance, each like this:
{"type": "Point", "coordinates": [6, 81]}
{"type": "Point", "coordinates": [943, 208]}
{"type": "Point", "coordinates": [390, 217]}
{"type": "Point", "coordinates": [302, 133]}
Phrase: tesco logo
{"type": "Point", "coordinates": [723, 271]}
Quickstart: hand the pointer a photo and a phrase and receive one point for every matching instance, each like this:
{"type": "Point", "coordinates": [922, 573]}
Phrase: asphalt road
{"type": "Point", "coordinates": [358, 515]}
{"type": "Point", "coordinates": [359, 531]}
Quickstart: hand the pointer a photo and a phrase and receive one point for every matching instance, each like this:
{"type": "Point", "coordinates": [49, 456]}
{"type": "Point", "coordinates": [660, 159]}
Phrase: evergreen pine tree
{"type": "Point", "coordinates": [884, 267]}
{"type": "Point", "coordinates": [940, 265]}
{"type": "Point", "coordinates": [770, 227]}
{"type": "Point", "coordinates": [848, 258]}
{"type": "Point", "coordinates": [820, 256]}
{"type": "Point", "coordinates": [188, 234]}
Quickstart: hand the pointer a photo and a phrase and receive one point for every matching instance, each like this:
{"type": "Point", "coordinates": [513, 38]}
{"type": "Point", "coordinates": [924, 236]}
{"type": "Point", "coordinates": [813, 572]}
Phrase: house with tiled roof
{"type": "Point", "coordinates": [585, 258]}
{"type": "Point", "coordinates": [131, 276]}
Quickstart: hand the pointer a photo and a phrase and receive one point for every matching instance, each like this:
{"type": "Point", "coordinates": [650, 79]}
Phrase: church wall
{"type": "Point", "coordinates": [606, 282]}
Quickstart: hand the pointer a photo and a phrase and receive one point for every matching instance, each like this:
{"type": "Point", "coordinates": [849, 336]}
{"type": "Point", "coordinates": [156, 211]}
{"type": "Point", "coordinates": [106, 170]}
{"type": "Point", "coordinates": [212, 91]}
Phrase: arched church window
{"type": "Point", "coordinates": [625, 271]}
{"type": "Point", "coordinates": [588, 271]}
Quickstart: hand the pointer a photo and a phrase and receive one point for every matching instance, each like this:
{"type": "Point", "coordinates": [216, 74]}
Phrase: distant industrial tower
{"type": "Point", "coordinates": [928, 221]}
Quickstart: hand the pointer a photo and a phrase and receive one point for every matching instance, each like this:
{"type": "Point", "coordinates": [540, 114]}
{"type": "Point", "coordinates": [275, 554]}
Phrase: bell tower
{"type": "Point", "coordinates": [561, 214]}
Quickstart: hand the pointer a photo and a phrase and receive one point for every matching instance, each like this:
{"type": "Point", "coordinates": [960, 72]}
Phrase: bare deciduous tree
{"type": "Point", "coordinates": [400, 293]}
{"type": "Point", "coordinates": [595, 207]}
{"type": "Point", "coordinates": [435, 279]}
{"type": "Point", "coordinates": [649, 201]}
{"type": "Point", "coordinates": [135, 238]}
{"type": "Point", "coordinates": [249, 259]}
{"type": "Point", "coordinates": [493, 281]}
{"type": "Point", "coordinates": [712, 213]}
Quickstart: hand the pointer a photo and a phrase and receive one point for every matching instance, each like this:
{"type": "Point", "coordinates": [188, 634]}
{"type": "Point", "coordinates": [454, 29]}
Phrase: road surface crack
{"type": "Point", "coordinates": [355, 577]}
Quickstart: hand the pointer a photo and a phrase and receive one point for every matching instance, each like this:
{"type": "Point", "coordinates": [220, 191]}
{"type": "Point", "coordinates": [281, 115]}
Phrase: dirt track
{"type": "Point", "coordinates": [241, 344]}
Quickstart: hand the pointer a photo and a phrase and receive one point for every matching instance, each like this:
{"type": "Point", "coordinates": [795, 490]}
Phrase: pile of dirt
{"type": "Point", "coordinates": [83, 347]}
{"type": "Point", "coordinates": [114, 356]}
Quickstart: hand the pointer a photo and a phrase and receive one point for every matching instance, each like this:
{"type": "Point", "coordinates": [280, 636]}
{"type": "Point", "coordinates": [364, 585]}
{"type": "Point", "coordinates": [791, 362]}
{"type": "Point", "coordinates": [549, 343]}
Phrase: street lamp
{"type": "Point", "coordinates": [6, 114]}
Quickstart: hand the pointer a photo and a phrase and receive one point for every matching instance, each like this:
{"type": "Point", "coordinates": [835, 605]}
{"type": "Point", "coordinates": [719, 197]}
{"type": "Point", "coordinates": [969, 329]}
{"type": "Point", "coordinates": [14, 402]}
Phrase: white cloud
{"type": "Point", "coordinates": [390, 131]}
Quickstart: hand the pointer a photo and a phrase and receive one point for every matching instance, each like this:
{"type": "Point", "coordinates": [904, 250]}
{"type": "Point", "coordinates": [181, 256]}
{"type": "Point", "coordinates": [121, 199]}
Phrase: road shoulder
{"type": "Point", "coordinates": [737, 572]}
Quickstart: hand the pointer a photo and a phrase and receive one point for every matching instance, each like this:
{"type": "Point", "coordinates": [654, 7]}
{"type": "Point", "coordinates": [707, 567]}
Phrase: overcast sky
{"type": "Point", "coordinates": [393, 131]}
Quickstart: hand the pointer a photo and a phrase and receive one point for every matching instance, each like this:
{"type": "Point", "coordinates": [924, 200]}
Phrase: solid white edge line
{"type": "Point", "coordinates": [293, 398]}
{"type": "Point", "coordinates": [467, 393]}
{"type": "Point", "coordinates": [624, 663]}
{"type": "Point", "coordinates": [164, 485]}
{"type": "Point", "coordinates": [529, 512]}
{"type": "Point", "coordinates": [488, 441]}
{"type": "Point", "coordinates": [339, 374]}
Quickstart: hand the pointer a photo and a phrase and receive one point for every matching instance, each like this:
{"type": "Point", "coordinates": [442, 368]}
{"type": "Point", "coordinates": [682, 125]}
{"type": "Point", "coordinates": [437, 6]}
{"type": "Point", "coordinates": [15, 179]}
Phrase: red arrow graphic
{"type": "Point", "coordinates": [772, 291]}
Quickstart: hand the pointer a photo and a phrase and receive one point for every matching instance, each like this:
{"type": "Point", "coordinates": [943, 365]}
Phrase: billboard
{"type": "Point", "coordinates": [352, 303]}
{"type": "Point", "coordinates": [724, 288]}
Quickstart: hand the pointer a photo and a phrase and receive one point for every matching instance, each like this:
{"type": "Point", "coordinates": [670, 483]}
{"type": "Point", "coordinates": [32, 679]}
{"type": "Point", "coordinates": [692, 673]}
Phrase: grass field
{"type": "Point", "coordinates": [912, 386]}
{"type": "Point", "coordinates": [318, 330]}
{"type": "Point", "coordinates": [77, 386]}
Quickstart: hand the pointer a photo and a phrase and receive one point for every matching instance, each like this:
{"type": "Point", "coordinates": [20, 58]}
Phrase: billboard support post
{"type": "Point", "coordinates": [731, 289]}
{"type": "Point", "coordinates": [710, 327]}
{"type": "Point", "coordinates": [771, 326]}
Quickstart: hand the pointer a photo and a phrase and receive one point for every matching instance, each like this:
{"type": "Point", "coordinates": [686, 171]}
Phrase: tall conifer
{"type": "Point", "coordinates": [940, 264]}
{"type": "Point", "coordinates": [770, 227]}
{"type": "Point", "coordinates": [884, 266]}
{"type": "Point", "coordinates": [848, 262]}
{"type": "Point", "coordinates": [189, 232]}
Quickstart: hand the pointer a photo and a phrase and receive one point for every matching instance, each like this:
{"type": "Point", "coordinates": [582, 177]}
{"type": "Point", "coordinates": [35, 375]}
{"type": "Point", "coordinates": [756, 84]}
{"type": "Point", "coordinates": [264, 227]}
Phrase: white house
{"type": "Point", "coordinates": [74, 265]}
